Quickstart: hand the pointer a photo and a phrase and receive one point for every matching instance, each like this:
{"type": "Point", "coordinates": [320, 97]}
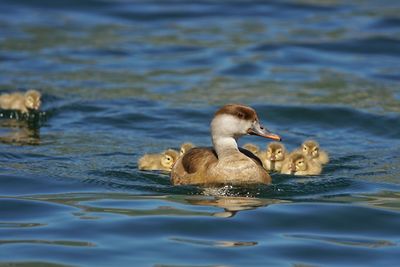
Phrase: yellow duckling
{"type": "Point", "coordinates": [185, 147]}
{"type": "Point", "coordinates": [274, 156]}
{"type": "Point", "coordinates": [298, 164]}
{"type": "Point", "coordinates": [311, 149]}
{"type": "Point", "coordinates": [21, 101]}
{"type": "Point", "coordinates": [252, 148]}
{"type": "Point", "coordinates": [158, 162]}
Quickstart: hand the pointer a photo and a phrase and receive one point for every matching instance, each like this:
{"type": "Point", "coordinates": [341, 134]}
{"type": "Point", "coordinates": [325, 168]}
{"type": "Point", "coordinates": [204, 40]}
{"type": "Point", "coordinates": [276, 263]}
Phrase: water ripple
{"type": "Point", "coordinates": [48, 242]}
{"type": "Point", "coordinates": [347, 241]}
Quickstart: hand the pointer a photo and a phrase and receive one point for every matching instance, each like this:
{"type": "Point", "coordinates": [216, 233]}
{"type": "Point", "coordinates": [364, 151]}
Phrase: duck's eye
{"type": "Point", "coordinates": [240, 115]}
{"type": "Point", "coordinates": [305, 148]}
{"type": "Point", "coordinates": [279, 152]}
{"type": "Point", "coordinates": [168, 158]}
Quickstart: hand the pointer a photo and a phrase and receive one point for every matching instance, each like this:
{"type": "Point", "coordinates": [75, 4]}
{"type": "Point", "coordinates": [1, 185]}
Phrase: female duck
{"type": "Point", "coordinates": [225, 163]}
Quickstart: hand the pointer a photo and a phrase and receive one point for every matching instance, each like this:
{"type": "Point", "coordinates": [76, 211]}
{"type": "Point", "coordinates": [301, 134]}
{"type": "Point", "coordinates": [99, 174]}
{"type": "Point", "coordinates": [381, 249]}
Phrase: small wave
{"type": "Point", "coordinates": [357, 242]}
{"type": "Point", "coordinates": [371, 45]}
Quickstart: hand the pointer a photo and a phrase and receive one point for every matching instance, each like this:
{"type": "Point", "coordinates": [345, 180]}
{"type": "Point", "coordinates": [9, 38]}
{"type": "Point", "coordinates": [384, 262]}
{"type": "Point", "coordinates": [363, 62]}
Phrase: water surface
{"type": "Point", "coordinates": [124, 78]}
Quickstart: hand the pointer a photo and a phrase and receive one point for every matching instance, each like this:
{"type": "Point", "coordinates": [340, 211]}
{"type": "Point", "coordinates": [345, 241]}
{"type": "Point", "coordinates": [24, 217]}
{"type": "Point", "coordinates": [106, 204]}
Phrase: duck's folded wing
{"type": "Point", "coordinates": [198, 158]}
{"type": "Point", "coordinates": [192, 167]}
{"type": "Point", "coordinates": [249, 154]}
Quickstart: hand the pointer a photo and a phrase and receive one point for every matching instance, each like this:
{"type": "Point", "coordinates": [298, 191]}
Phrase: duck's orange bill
{"type": "Point", "coordinates": [259, 130]}
{"type": "Point", "coordinates": [272, 136]}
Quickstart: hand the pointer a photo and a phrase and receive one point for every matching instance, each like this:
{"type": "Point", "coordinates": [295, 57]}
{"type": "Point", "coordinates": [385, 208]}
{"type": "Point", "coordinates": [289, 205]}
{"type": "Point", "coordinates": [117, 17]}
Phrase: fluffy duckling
{"type": "Point", "coordinates": [274, 156]}
{"type": "Point", "coordinates": [158, 162]}
{"type": "Point", "coordinates": [252, 148]}
{"type": "Point", "coordinates": [185, 147]}
{"type": "Point", "coordinates": [311, 149]}
{"type": "Point", "coordinates": [298, 164]}
{"type": "Point", "coordinates": [169, 158]}
{"type": "Point", "coordinates": [21, 101]}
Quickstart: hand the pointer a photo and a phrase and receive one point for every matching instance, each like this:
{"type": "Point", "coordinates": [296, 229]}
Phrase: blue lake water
{"type": "Point", "coordinates": [124, 78]}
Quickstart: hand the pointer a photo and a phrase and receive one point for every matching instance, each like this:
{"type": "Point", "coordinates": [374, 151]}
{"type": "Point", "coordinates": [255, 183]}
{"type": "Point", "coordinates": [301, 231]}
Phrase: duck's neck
{"type": "Point", "coordinates": [224, 129]}
{"type": "Point", "coordinates": [224, 146]}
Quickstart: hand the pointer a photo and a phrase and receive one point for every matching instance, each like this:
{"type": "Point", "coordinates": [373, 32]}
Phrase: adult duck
{"type": "Point", "coordinates": [225, 163]}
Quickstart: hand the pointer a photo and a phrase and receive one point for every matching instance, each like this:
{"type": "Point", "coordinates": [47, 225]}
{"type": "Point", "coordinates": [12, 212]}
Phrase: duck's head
{"type": "Point", "coordinates": [310, 148]}
{"type": "Point", "coordinates": [234, 120]}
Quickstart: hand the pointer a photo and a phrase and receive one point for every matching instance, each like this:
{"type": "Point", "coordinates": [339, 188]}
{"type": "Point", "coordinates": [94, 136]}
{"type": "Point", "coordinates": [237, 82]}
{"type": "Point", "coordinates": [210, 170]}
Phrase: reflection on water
{"type": "Point", "coordinates": [21, 135]}
{"type": "Point", "coordinates": [20, 129]}
{"type": "Point", "coordinates": [18, 225]}
{"type": "Point", "coordinates": [347, 241]}
{"type": "Point", "coordinates": [232, 205]}
{"type": "Point", "coordinates": [91, 206]}
{"type": "Point", "coordinates": [384, 200]}
{"type": "Point", "coordinates": [47, 242]}
{"type": "Point", "coordinates": [181, 224]}
{"type": "Point", "coordinates": [215, 243]}
{"type": "Point", "coordinates": [32, 264]}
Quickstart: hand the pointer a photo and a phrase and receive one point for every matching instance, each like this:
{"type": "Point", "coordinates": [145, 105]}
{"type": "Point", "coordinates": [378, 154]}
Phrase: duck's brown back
{"type": "Point", "coordinates": [198, 158]}
{"type": "Point", "coordinates": [200, 166]}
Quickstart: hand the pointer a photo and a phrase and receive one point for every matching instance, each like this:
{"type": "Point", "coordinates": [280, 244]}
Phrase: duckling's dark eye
{"type": "Point", "coordinates": [305, 148]}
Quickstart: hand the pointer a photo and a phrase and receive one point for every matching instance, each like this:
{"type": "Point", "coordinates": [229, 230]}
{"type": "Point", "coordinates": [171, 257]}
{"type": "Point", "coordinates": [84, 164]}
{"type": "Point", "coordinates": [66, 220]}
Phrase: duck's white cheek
{"type": "Point", "coordinates": [237, 126]}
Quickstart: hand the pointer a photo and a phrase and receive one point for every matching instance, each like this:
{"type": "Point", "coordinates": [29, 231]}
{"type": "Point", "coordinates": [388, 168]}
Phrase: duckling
{"type": "Point", "coordinates": [274, 156]}
{"type": "Point", "coordinates": [169, 158]}
{"type": "Point", "coordinates": [150, 162]}
{"type": "Point", "coordinates": [185, 147]}
{"type": "Point", "coordinates": [252, 148]}
{"type": "Point", "coordinates": [22, 102]}
{"type": "Point", "coordinates": [158, 162]}
{"type": "Point", "coordinates": [298, 164]}
{"type": "Point", "coordinates": [311, 149]}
